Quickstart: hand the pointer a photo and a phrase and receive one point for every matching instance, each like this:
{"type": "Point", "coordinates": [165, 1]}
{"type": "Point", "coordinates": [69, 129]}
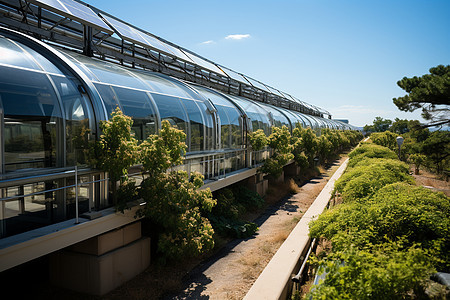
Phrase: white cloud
{"type": "Point", "coordinates": [237, 36]}
{"type": "Point", "coordinates": [207, 42]}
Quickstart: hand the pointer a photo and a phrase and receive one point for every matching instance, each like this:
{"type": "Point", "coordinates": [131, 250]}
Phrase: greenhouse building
{"type": "Point", "coordinates": [64, 67]}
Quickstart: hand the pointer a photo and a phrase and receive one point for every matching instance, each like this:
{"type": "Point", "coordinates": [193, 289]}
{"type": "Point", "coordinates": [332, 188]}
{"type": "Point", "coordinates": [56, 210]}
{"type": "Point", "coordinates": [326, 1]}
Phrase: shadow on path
{"type": "Point", "coordinates": [195, 281]}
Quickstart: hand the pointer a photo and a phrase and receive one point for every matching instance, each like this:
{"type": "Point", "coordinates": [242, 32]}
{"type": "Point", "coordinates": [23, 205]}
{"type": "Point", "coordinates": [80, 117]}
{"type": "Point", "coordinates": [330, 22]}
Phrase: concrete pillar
{"type": "Point", "coordinates": [258, 184]}
{"type": "Point", "coordinates": [102, 263]}
{"type": "Point", "coordinates": [292, 170]}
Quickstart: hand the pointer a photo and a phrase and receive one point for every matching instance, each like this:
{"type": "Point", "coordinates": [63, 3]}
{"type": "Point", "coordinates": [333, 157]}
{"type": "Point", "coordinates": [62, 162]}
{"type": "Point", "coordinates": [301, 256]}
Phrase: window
{"type": "Point", "coordinates": [136, 104]}
{"type": "Point", "coordinates": [170, 109]}
{"type": "Point", "coordinates": [32, 120]}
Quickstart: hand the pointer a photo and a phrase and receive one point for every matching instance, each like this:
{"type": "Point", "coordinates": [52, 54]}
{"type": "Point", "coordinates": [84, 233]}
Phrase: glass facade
{"type": "Point", "coordinates": [51, 105]}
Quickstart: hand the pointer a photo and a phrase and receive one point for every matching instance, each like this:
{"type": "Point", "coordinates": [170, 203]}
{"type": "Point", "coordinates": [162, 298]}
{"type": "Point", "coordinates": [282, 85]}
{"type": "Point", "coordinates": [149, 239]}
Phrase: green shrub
{"type": "Point", "coordinates": [369, 150]}
{"type": "Point", "coordinates": [397, 211]}
{"type": "Point", "coordinates": [174, 202]}
{"type": "Point", "coordinates": [387, 139]}
{"type": "Point", "coordinates": [387, 237]}
{"type": "Point", "coordinates": [257, 139]}
{"type": "Point", "coordinates": [362, 181]}
{"type": "Point", "coordinates": [385, 273]}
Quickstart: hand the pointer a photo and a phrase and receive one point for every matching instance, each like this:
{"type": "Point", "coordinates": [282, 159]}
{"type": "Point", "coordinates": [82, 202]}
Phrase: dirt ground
{"type": "Point", "coordinates": [432, 182]}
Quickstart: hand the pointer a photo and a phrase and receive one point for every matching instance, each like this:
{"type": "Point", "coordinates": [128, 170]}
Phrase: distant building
{"type": "Point", "coordinates": [342, 120]}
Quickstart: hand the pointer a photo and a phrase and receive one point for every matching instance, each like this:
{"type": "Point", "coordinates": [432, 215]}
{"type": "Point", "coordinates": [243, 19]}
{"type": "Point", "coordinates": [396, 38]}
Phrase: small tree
{"type": "Point", "coordinates": [437, 149]}
{"type": "Point", "coordinates": [279, 141]}
{"type": "Point", "coordinates": [307, 142]}
{"type": "Point", "coordinates": [116, 150]}
{"type": "Point", "coordinates": [324, 148]}
{"type": "Point", "coordinates": [174, 202]}
{"type": "Point", "coordinates": [417, 159]}
{"type": "Point", "coordinates": [257, 140]}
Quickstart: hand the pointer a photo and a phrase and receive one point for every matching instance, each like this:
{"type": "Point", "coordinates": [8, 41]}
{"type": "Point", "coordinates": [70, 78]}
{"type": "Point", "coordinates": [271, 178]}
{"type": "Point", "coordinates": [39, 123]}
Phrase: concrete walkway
{"type": "Point", "coordinates": [274, 281]}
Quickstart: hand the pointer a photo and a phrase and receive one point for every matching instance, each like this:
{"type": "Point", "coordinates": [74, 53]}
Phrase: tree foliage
{"type": "Point", "coordinates": [257, 139]}
{"type": "Point", "coordinates": [430, 92]}
{"type": "Point", "coordinates": [305, 142]}
{"type": "Point", "coordinates": [379, 125]}
{"type": "Point", "coordinates": [174, 201]}
{"type": "Point", "coordinates": [279, 141]}
{"type": "Point", "coordinates": [116, 149]}
{"type": "Point", "coordinates": [384, 273]}
{"type": "Point", "coordinates": [437, 149]}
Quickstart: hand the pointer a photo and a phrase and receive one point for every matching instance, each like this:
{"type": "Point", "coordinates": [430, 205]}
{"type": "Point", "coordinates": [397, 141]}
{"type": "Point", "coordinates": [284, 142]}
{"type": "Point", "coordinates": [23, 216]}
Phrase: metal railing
{"type": "Point", "coordinates": [212, 165]}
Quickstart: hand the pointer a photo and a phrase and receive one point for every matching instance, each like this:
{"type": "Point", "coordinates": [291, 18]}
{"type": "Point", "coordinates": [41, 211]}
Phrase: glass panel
{"type": "Point", "coordinates": [196, 121]}
{"type": "Point", "coordinates": [109, 97]}
{"type": "Point", "coordinates": [209, 126]}
{"type": "Point", "coordinates": [75, 58]}
{"type": "Point", "coordinates": [13, 55]}
{"type": "Point", "coordinates": [42, 61]}
{"type": "Point", "coordinates": [76, 113]}
{"type": "Point", "coordinates": [215, 98]}
{"type": "Point", "coordinates": [258, 116]}
{"type": "Point", "coordinates": [164, 86]}
{"type": "Point", "coordinates": [28, 213]}
{"type": "Point", "coordinates": [136, 104]}
{"type": "Point", "coordinates": [32, 115]}
{"type": "Point", "coordinates": [225, 128]}
{"type": "Point", "coordinates": [236, 129]}
{"type": "Point", "coordinates": [111, 73]}
{"type": "Point", "coordinates": [171, 109]}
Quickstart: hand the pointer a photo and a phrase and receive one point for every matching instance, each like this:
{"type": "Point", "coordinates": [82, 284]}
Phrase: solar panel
{"type": "Point", "coordinates": [274, 91]}
{"type": "Point", "coordinates": [232, 74]}
{"type": "Point", "coordinates": [178, 52]}
{"type": "Point", "coordinates": [289, 97]}
{"type": "Point", "coordinates": [75, 11]}
{"type": "Point", "coordinates": [129, 33]}
{"type": "Point", "coordinates": [257, 84]}
{"type": "Point", "coordinates": [205, 64]}
{"type": "Point", "coordinates": [137, 36]}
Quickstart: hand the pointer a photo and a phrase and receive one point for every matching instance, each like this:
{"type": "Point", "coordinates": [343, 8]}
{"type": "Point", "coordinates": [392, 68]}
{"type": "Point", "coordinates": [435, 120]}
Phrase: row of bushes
{"type": "Point", "coordinates": [388, 235]}
{"type": "Point", "coordinates": [304, 146]}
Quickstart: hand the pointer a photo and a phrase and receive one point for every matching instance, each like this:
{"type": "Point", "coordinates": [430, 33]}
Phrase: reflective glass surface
{"type": "Point", "coordinates": [13, 55]}
{"type": "Point", "coordinates": [163, 85]}
{"type": "Point", "coordinates": [231, 130]}
{"type": "Point", "coordinates": [76, 113]}
{"type": "Point", "coordinates": [196, 121]}
{"type": "Point", "coordinates": [137, 105]}
{"type": "Point", "coordinates": [31, 118]}
{"type": "Point", "coordinates": [108, 96]}
{"type": "Point", "coordinates": [170, 109]}
{"type": "Point", "coordinates": [113, 74]}
{"type": "Point", "coordinates": [258, 117]}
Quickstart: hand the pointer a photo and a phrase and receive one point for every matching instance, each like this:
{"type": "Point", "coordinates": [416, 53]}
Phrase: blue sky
{"type": "Point", "coordinates": [344, 56]}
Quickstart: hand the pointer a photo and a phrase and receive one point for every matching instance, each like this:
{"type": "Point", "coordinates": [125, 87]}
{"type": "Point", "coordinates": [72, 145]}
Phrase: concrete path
{"type": "Point", "coordinates": [274, 280]}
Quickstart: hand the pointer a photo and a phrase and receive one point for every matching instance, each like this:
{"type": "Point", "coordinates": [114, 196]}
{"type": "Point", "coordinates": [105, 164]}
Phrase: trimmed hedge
{"type": "Point", "coordinates": [388, 236]}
